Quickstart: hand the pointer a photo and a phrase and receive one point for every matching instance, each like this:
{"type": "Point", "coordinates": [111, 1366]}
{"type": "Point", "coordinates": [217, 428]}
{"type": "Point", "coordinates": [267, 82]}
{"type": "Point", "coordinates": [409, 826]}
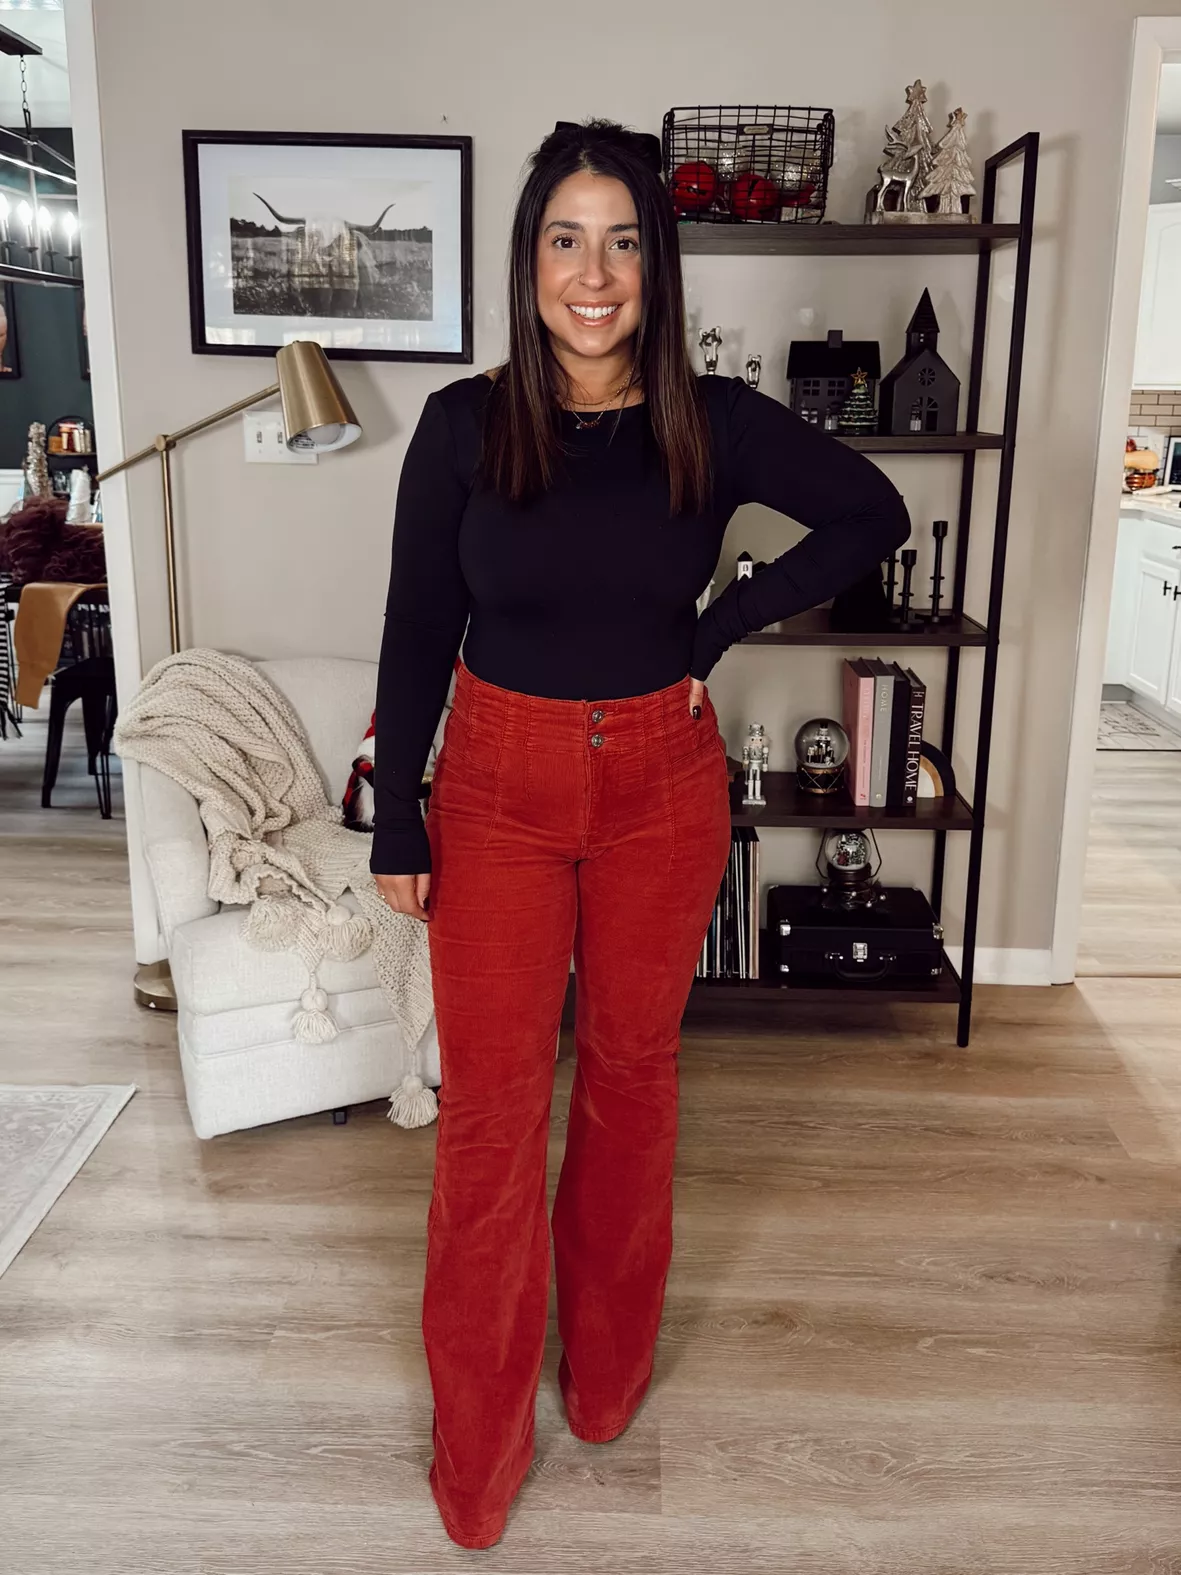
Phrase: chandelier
{"type": "Point", "coordinates": [38, 223]}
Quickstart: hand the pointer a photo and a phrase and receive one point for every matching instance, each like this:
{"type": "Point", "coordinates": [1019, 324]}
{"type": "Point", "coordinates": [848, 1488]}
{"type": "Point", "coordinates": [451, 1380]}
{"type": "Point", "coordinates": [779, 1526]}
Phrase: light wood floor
{"type": "Point", "coordinates": [1132, 883]}
{"type": "Point", "coordinates": [924, 1316]}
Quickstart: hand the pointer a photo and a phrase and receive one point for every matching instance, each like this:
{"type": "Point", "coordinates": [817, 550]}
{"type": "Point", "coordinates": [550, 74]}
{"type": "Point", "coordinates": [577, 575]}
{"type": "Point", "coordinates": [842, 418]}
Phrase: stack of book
{"type": "Point", "coordinates": [883, 707]}
{"type": "Point", "coordinates": [731, 949]}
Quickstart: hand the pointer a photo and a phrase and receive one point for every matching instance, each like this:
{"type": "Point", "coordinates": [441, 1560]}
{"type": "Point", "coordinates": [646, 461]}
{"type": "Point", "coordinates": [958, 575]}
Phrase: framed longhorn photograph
{"type": "Point", "coordinates": [10, 362]}
{"type": "Point", "coordinates": [362, 243]}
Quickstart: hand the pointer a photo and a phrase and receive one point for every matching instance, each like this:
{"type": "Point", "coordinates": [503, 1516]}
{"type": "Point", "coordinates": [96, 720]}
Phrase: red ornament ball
{"type": "Point", "coordinates": [801, 196]}
{"type": "Point", "coordinates": [754, 197]}
{"type": "Point", "coordinates": [694, 185]}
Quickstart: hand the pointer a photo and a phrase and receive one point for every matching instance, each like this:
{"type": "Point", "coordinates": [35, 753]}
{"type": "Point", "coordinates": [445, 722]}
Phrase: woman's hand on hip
{"type": "Point", "coordinates": [696, 696]}
{"type": "Point", "coordinates": [405, 893]}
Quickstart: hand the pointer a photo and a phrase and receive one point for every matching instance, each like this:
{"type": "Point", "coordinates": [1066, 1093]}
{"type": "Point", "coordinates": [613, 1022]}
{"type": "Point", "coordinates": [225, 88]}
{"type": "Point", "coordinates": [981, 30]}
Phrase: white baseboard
{"type": "Point", "coordinates": [1007, 964]}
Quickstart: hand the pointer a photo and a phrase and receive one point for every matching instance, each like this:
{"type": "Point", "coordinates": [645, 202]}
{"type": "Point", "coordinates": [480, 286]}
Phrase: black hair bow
{"type": "Point", "coordinates": [644, 143]}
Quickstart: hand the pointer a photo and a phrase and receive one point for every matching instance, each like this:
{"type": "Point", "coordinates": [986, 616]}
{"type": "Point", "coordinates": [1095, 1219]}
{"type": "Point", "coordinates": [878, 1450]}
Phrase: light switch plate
{"type": "Point", "coordinates": [265, 445]}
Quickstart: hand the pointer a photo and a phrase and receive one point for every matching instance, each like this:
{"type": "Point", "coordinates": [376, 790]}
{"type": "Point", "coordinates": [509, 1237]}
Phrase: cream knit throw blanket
{"type": "Point", "coordinates": [214, 724]}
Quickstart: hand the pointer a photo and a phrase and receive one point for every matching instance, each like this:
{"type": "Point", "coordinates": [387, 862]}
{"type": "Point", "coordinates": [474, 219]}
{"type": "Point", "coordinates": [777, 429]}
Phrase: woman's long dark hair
{"type": "Point", "coordinates": [522, 429]}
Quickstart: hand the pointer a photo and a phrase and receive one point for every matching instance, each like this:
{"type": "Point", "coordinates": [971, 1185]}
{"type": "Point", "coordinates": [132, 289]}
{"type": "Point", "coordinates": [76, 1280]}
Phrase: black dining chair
{"type": "Point", "coordinates": [86, 672]}
{"type": "Point", "coordinates": [10, 712]}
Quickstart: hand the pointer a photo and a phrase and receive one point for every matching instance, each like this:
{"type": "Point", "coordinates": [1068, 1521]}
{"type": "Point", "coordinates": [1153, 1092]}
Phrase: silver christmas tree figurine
{"type": "Point", "coordinates": [951, 178]}
{"type": "Point", "coordinates": [37, 482]}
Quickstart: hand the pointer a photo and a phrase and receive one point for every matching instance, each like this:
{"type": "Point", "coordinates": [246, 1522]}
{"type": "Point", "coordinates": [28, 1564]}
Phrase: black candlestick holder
{"type": "Point", "coordinates": [906, 616]}
{"type": "Point", "coordinates": [937, 612]}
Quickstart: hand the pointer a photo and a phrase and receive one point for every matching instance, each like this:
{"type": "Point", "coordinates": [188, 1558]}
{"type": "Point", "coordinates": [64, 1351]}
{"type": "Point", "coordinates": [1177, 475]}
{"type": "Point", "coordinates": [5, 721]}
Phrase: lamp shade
{"type": "Point", "coordinates": [315, 409]}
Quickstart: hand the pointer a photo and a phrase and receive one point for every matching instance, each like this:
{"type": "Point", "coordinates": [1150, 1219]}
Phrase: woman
{"type": "Point", "coordinates": [572, 505]}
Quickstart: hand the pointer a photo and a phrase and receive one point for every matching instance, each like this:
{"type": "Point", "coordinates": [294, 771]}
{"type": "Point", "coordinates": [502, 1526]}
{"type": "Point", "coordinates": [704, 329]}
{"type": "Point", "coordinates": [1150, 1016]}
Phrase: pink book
{"type": "Point", "coordinates": [857, 709]}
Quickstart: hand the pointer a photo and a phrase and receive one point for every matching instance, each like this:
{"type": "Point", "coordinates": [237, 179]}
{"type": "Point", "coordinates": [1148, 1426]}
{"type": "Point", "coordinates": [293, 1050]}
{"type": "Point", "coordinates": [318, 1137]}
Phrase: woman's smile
{"type": "Point", "coordinates": [593, 315]}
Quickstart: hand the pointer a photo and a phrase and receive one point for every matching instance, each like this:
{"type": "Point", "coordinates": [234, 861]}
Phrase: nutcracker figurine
{"type": "Point", "coordinates": [756, 753]}
{"type": "Point", "coordinates": [710, 341]}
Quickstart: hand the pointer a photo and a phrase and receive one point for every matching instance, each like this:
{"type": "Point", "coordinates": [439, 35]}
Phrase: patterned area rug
{"type": "Point", "coordinates": [1122, 726]}
{"type": "Point", "coordinates": [46, 1135]}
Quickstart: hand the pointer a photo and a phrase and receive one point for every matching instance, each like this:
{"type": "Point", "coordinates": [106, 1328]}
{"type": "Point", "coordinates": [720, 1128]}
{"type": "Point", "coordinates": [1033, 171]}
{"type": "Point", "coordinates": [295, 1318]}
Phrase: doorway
{"type": "Point", "coordinates": [1118, 910]}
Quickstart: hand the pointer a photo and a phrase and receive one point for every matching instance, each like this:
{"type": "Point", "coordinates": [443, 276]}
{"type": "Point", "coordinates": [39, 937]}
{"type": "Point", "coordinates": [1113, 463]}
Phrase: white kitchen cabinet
{"type": "Point", "coordinates": [1173, 692]}
{"type": "Point", "coordinates": [1158, 334]}
{"type": "Point", "coordinates": [1154, 626]}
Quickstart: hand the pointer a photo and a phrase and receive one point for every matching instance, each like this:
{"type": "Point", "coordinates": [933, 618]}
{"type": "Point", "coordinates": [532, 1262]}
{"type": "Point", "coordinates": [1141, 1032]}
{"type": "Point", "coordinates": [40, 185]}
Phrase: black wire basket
{"type": "Point", "coordinates": [748, 164]}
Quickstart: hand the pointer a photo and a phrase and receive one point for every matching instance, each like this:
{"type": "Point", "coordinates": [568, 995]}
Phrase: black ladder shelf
{"type": "Point", "coordinates": [787, 807]}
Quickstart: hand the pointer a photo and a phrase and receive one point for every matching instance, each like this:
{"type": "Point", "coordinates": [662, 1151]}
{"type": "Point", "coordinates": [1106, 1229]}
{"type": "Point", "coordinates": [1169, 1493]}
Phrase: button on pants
{"type": "Point", "coordinates": [598, 829]}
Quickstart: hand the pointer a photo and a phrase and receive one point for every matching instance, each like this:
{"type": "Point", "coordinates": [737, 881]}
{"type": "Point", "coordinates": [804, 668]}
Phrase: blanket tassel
{"type": "Point", "coordinates": [272, 923]}
{"type": "Point", "coordinates": [347, 934]}
{"type": "Point", "coordinates": [413, 1104]}
{"type": "Point", "coordinates": [313, 1023]}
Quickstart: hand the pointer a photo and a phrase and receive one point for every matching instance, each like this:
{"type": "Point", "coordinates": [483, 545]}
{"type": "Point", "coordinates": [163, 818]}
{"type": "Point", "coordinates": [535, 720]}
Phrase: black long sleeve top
{"type": "Point", "coordinates": [589, 592]}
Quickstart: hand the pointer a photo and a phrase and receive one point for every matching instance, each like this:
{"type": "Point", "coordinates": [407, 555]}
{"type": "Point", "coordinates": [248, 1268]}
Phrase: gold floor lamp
{"type": "Point", "coordinates": [316, 414]}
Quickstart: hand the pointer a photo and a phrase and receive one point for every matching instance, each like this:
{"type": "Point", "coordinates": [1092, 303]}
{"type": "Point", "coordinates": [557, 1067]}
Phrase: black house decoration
{"type": "Point", "coordinates": [921, 394]}
{"type": "Point", "coordinates": [820, 372]}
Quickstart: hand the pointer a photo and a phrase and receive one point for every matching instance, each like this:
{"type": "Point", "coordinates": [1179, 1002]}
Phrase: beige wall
{"type": "Point", "coordinates": [277, 561]}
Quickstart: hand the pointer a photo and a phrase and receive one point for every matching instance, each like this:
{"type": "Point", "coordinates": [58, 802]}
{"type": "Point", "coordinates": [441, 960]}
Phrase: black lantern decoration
{"type": "Point", "coordinates": [820, 372]}
{"type": "Point", "coordinates": [849, 873]}
{"type": "Point", "coordinates": [921, 394]}
{"type": "Point", "coordinates": [822, 748]}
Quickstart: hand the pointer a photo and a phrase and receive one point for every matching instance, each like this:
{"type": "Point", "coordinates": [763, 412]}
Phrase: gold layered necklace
{"type": "Point", "coordinates": [580, 423]}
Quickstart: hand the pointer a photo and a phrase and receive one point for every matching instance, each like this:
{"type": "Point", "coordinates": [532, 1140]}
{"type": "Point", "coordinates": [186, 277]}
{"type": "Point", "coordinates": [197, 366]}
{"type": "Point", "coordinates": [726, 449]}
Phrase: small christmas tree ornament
{"type": "Point", "coordinates": [950, 180]}
{"type": "Point", "coordinates": [858, 416]}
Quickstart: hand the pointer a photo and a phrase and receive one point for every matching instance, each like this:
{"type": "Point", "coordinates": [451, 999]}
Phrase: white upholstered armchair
{"type": "Point", "coordinates": [235, 1004]}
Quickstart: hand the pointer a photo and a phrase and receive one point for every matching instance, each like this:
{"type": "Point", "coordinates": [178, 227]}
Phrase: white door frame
{"type": "Point", "coordinates": [1155, 39]}
{"type": "Point", "coordinates": [89, 155]}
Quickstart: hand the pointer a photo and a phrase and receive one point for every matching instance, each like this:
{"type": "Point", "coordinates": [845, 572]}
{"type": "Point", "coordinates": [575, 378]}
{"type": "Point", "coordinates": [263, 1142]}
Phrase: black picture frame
{"type": "Point", "coordinates": [10, 358]}
{"type": "Point", "coordinates": [231, 266]}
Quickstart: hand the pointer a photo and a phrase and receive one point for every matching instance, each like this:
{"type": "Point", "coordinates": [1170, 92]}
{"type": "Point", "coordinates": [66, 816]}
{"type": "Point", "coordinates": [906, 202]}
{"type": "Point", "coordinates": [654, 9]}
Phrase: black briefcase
{"type": "Point", "coordinates": [897, 941]}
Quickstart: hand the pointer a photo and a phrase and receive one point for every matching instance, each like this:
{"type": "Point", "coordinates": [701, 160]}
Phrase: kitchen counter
{"type": "Point", "coordinates": [1151, 504]}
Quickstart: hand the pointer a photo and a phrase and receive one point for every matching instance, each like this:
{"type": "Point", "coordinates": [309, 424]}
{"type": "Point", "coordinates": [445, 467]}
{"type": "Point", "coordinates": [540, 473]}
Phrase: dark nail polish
{"type": "Point", "coordinates": [697, 712]}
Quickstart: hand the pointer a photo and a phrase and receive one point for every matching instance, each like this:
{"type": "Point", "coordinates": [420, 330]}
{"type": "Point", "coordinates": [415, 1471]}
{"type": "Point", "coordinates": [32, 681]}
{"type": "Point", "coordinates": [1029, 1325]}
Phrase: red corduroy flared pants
{"type": "Point", "coordinates": [598, 829]}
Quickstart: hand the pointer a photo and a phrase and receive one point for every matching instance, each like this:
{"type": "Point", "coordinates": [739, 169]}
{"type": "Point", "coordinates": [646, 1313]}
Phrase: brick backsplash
{"type": "Point", "coordinates": [1157, 409]}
